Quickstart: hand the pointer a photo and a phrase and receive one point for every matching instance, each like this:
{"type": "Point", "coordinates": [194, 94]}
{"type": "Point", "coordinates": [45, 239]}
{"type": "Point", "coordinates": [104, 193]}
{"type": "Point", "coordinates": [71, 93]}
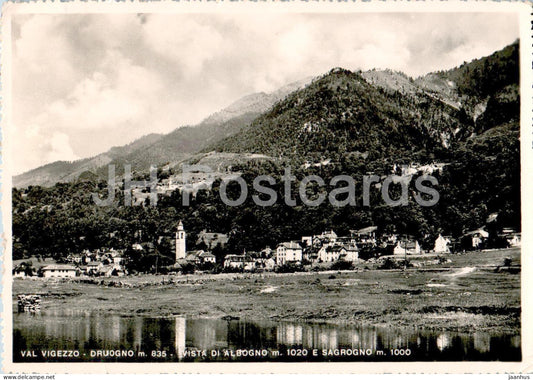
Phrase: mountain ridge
{"type": "Point", "coordinates": [159, 149]}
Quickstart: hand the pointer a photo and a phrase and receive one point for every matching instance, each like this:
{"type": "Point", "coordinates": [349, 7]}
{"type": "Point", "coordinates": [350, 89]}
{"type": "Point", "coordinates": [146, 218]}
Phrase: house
{"type": "Point", "coordinates": [442, 244]}
{"type": "Point", "coordinates": [335, 252]}
{"type": "Point", "coordinates": [105, 270]}
{"type": "Point", "coordinates": [365, 237]}
{"type": "Point", "coordinates": [93, 268]}
{"type": "Point", "coordinates": [326, 236]}
{"type": "Point", "coordinates": [478, 237]}
{"type": "Point", "coordinates": [23, 270]}
{"type": "Point", "coordinates": [330, 253]}
{"type": "Point", "coordinates": [207, 257]}
{"type": "Point", "coordinates": [389, 239]}
{"type": "Point", "coordinates": [111, 270]}
{"type": "Point", "coordinates": [267, 252]}
{"type": "Point", "coordinates": [365, 233]}
{"type": "Point", "coordinates": [311, 253]}
{"type": "Point", "coordinates": [515, 240]}
{"type": "Point", "coordinates": [307, 241]}
{"type": "Point", "coordinates": [351, 253]}
{"type": "Point", "coordinates": [408, 247]}
{"type": "Point", "coordinates": [59, 271]}
{"type": "Point", "coordinates": [288, 252]}
{"type": "Point", "coordinates": [137, 247]}
{"type": "Point", "coordinates": [250, 264]}
{"type": "Point", "coordinates": [265, 264]}
{"type": "Point", "coordinates": [193, 257]}
{"type": "Point", "coordinates": [76, 259]}
{"type": "Point", "coordinates": [234, 261]}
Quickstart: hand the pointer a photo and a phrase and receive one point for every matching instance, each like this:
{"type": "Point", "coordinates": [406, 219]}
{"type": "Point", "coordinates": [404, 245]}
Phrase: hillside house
{"type": "Point", "coordinates": [137, 247]}
{"type": "Point", "coordinates": [442, 244]}
{"type": "Point", "coordinates": [365, 237]}
{"type": "Point", "coordinates": [367, 234]}
{"type": "Point", "coordinates": [288, 252]}
{"type": "Point", "coordinates": [59, 271]}
{"type": "Point", "coordinates": [409, 247]}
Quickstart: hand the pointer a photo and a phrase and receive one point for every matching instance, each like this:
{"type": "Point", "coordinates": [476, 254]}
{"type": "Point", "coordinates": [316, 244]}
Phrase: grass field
{"type": "Point", "coordinates": [463, 295]}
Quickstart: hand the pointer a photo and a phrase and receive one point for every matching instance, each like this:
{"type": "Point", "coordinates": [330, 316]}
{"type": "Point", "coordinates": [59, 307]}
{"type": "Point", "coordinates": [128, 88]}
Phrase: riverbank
{"type": "Point", "coordinates": [463, 295]}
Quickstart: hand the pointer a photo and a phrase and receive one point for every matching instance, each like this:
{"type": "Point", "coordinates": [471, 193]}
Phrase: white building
{"type": "Point", "coordinates": [410, 247]}
{"type": "Point", "coordinates": [59, 271]}
{"type": "Point", "coordinates": [207, 257]}
{"type": "Point", "coordinates": [515, 240]}
{"type": "Point", "coordinates": [330, 253]}
{"type": "Point", "coordinates": [351, 253]}
{"type": "Point", "coordinates": [478, 237]}
{"type": "Point", "coordinates": [442, 244]}
{"type": "Point", "coordinates": [288, 252]}
{"type": "Point", "coordinates": [234, 261]}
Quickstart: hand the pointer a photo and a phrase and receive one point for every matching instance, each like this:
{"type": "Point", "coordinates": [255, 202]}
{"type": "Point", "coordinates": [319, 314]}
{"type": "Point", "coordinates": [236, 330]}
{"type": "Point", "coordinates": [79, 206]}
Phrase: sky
{"type": "Point", "coordinates": [85, 83]}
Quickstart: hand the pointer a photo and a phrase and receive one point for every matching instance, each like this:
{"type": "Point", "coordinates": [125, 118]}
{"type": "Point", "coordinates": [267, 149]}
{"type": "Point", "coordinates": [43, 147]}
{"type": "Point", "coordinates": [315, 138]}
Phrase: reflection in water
{"type": "Point", "coordinates": [180, 333]}
{"type": "Point", "coordinates": [178, 336]}
{"type": "Point", "coordinates": [443, 341]}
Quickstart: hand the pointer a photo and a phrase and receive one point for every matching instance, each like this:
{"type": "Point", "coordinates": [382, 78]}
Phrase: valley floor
{"type": "Point", "coordinates": [468, 294]}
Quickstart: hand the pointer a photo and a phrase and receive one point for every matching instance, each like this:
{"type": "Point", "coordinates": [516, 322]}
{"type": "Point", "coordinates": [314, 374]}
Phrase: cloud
{"type": "Point", "coordinates": [34, 147]}
{"type": "Point", "coordinates": [100, 80]}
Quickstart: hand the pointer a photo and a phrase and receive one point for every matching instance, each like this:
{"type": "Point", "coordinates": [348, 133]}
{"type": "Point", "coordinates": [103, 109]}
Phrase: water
{"type": "Point", "coordinates": [97, 337]}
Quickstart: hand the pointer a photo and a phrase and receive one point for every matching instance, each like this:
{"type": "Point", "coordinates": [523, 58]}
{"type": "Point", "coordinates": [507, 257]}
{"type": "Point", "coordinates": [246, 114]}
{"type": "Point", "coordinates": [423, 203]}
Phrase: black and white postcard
{"type": "Point", "coordinates": [266, 187]}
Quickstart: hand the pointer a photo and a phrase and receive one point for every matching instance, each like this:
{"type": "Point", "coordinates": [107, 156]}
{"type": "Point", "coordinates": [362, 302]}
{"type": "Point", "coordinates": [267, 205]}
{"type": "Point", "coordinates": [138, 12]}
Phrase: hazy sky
{"type": "Point", "coordinates": [85, 83]}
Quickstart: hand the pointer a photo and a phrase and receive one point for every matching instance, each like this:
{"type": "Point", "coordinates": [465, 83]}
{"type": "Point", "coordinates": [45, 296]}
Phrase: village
{"type": "Point", "coordinates": [324, 251]}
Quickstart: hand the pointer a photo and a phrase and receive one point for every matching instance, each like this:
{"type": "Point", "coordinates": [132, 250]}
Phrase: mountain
{"type": "Point", "coordinates": [63, 171]}
{"type": "Point", "coordinates": [162, 149]}
{"type": "Point", "coordinates": [344, 112]}
{"type": "Point", "coordinates": [386, 113]}
{"type": "Point", "coordinates": [255, 103]}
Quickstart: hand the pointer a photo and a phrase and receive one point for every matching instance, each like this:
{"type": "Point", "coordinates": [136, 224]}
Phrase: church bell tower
{"type": "Point", "coordinates": [180, 242]}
